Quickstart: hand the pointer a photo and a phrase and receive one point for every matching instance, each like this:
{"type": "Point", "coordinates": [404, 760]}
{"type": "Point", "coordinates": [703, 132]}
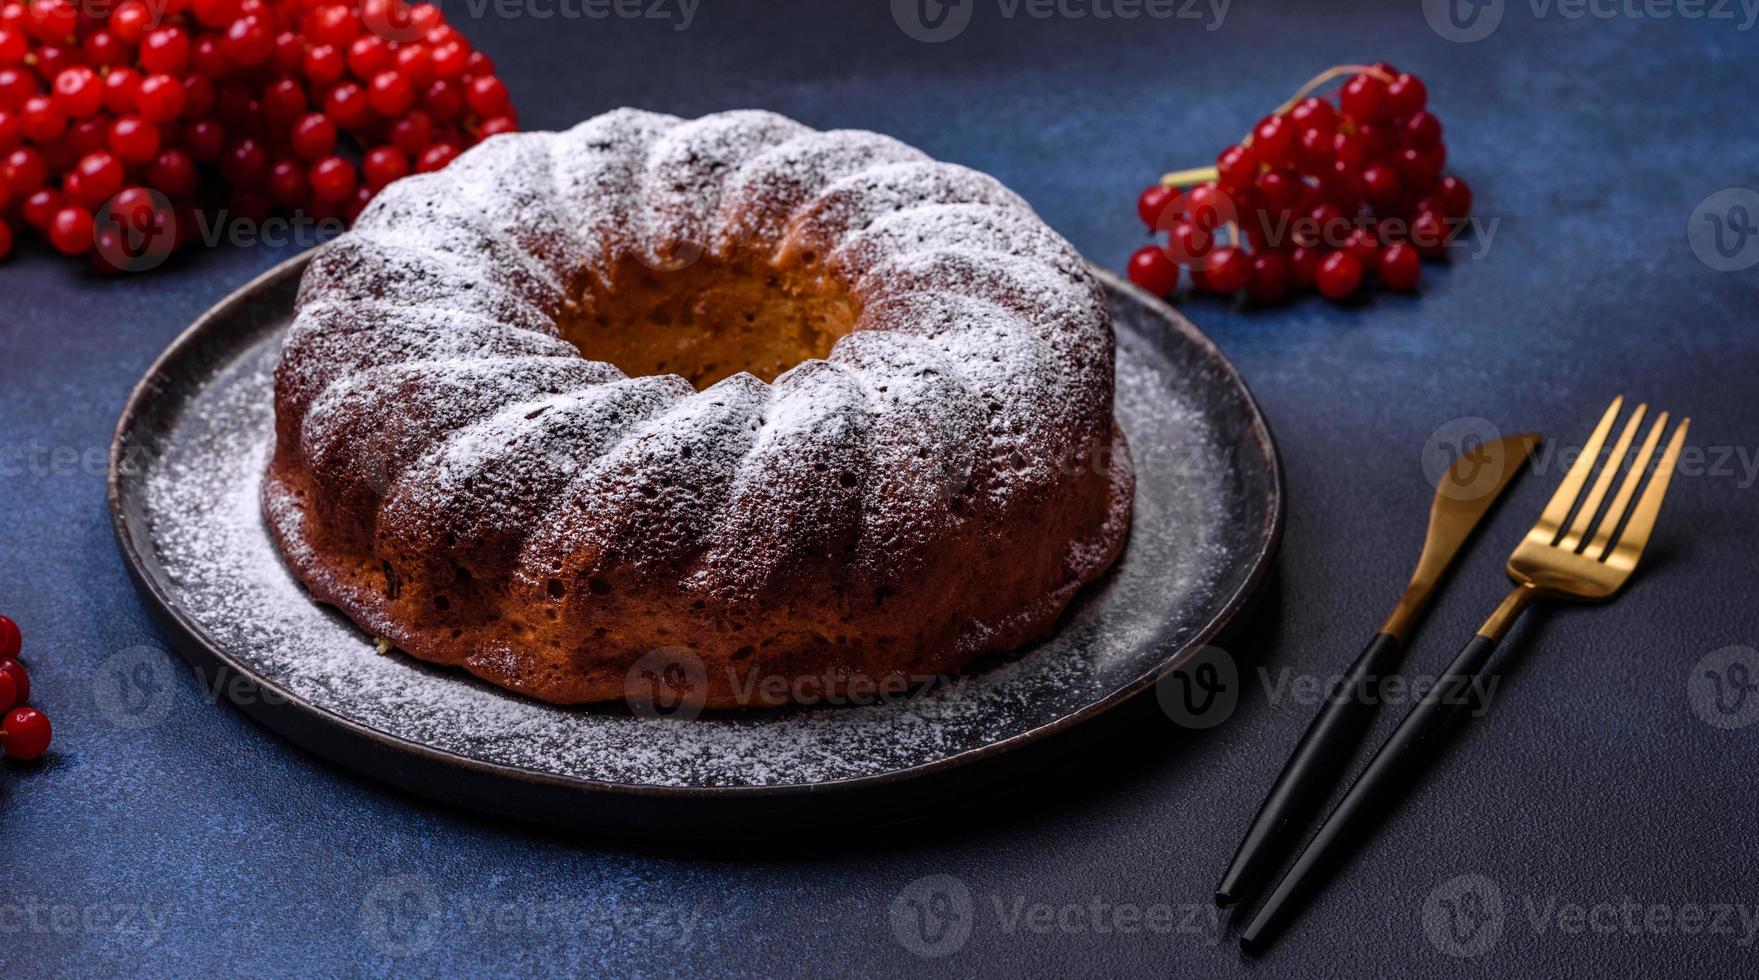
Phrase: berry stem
{"type": "Point", "coordinates": [1200, 175]}
{"type": "Point", "coordinates": [1185, 178]}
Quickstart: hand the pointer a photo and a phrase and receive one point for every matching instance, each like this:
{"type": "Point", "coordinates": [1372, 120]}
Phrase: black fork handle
{"type": "Point", "coordinates": [1411, 745]}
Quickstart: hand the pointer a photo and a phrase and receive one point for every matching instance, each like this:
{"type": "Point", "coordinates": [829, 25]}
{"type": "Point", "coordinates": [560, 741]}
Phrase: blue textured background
{"type": "Point", "coordinates": [1589, 141]}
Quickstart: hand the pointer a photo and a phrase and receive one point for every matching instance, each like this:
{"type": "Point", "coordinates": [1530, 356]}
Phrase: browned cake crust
{"type": "Point", "coordinates": [902, 454]}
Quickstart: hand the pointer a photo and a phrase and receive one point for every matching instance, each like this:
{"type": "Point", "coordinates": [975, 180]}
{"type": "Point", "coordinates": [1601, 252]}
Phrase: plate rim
{"type": "Point", "coordinates": [285, 713]}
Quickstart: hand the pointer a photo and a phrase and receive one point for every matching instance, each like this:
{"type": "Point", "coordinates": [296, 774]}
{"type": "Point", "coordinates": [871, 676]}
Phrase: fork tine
{"type": "Point", "coordinates": [1558, 510]}
{"type": "Point", "coordinates": [1636, 533]}
{"type": "Point", "coordinates": [1615, 512]}
{"type": "Point", "coordinates": [1597, 493]}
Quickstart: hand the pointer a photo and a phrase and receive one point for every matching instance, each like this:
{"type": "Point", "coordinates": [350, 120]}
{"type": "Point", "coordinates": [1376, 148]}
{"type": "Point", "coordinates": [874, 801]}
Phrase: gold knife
{"type": "Point", "coordinates": [1463, 495]}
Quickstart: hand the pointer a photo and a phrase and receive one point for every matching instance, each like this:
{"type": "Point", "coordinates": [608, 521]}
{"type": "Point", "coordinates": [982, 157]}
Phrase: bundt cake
{"type": "Point", "coordinates": [809, 409]}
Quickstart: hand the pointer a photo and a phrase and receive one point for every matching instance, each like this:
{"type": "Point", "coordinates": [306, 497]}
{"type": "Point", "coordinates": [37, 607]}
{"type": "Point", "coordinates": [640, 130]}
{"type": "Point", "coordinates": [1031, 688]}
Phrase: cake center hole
{"type": "Point", "coordinates": [712, 319]}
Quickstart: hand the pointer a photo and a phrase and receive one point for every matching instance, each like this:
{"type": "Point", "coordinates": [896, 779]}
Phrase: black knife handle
{"type": "Point", "coordinates": [1411, 744]}
{"type": "Point", "coordinates": [1311, 772]}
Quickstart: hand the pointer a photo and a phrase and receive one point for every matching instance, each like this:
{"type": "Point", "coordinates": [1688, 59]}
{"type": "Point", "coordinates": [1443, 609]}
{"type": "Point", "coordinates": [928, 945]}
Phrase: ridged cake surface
{"type": "Point", "coordinates": [807, 412]}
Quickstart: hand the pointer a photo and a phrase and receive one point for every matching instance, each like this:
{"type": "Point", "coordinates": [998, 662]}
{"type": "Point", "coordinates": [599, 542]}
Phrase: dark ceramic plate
{"type": "Point", "coordinates": [184, 471]}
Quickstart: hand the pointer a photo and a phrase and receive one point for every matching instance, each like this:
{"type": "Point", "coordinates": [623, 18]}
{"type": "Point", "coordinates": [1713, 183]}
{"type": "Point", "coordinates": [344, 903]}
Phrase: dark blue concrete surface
{"type": "Point", "coordinates": [1593, 782]}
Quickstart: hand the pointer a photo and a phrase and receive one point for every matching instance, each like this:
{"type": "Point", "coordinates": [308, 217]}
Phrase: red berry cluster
{"type": "Point", "coordinates": [117, 115]}
{"type": "Point", "coordinates": [1318, 195]}
{"type": "Point", "coordinates": [24, 731]}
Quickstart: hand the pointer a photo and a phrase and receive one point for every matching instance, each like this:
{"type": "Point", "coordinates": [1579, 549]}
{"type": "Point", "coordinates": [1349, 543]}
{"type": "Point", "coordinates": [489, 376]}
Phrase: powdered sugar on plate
{"type": "Point", "coordinates": [1176, 575]}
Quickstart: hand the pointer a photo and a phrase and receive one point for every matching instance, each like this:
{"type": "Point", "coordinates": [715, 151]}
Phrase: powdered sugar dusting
{"type": "Point", "coordinates": [207, 525]}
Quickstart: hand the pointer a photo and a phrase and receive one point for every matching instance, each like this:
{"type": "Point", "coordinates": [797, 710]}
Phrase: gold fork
{"type": "Point", "coordinates": [1558, 559]}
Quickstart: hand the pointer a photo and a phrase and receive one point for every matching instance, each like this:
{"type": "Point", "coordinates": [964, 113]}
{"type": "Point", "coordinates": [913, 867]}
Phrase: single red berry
{"type": "Point", "coordinates": [165, 51]}
{"type": "Point", "coordinates": [1455, 197]}
{"type": "Point", "coordinates": [1269, 282]}
{"type": "Point", "coordinates": [53, 20]}
{"type": "Point", "coordinates": [283, 102]}
{"type": "Point", "coordinates": [204, 139]}
{"type": "Point", "coordinates": [248, 42]}
{"type": "Point", "coordinates": [87, 136]}
{"type": "Point", "coordinates": [367, 56]}
{"type": "Point", "coordinates": [100, 177]}
{"type": "Point", "coordinates": [1236, 168]}
{"type": "Point", "coordinates": [1277, 192]}
{"type": "Point", "coordinates": [209, 58]}
{"type": "Point", "coordinates": [1209, 206]}
{"type": "Point", "coordinates": [1422, 130]}
{"type": "Point", "coordinates": [1314, 113]}
{"type": "Point", "coordinates": [1405, 95]}
{"type": "Point", "coordinates": [40, 206]}
{"type": "Point", "coordinates": [199, 96]}
{"type": "Point", "coordinates": [347, 104]}
{"type": "Point", "coordinates": [384, 164]}
{"type": "Point", "coordinates": [335, 24]}
{"type": "Point", "coordinates": [1363, 97]}
{"type": "Point", "coordinates": [11, 640]}
{"type": "Point", "coordinates": [25, 733]}
{"type": "Point", "coordinates": [1429, 233]}
{"type": "Point", "coordinates": [103, 49]}
{"type": "Point", "coordinates": [1399, 266]}
{"type": "Point", "coordinates": [1273, 139]}
{"type": "Point", "coordinates": [332, 179]}
{"type": "Point", "coordinates": [131, 20]}
{"type": "Point", "coordinates": [245, 165]}
{"type": "Point", "coordinates": [79, 92]}
{"type": "Point", "coordinates": [435, 157]}
{"type": "Point", "coordinates": [1339, 276]}
{"type": "Point", "coordinates": [122, 90]}
{"type": "Point", "coordinates": [287, 183]}
{"type": "Point", "coordinates": [134, 140]}
{"type": "Point", "coordinates": [486, 95]}
{"type": "Point", "coordinates": [443, 100]}
{"type": "Point", "coordinates": [415, 63]}
{"type": "Point", "coordinates": [173, 173]}
{"type": "Point", "coordinates": [1151, 269]}
{"type": "Point", "coordinates": [314, 136]}
{"type": "Point", "coordinates": [324, 64]}
{"type": "Point", "coordinates": [1380, 185]}
{"type": "Point", "coordinates": [24, 171]}
{"type": "Point", "coordinates": [390, 93]}
{"type": "Point", "coordinates": [41, 120]}
{"type": "Point", "coordinates": [289, 53]}
{"type": "Point", "coordinates": [1228, 271]}
{"type": "Point", "coordinates": [1327, 226]}
{"type": "Point", "coordinates": [447, 59]}
{"type": "Point", "coordinates": [1150, 204]}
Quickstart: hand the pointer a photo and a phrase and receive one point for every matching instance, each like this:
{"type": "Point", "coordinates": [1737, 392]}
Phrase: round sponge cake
{"type": "Point", "coordinates": [807, 411]}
